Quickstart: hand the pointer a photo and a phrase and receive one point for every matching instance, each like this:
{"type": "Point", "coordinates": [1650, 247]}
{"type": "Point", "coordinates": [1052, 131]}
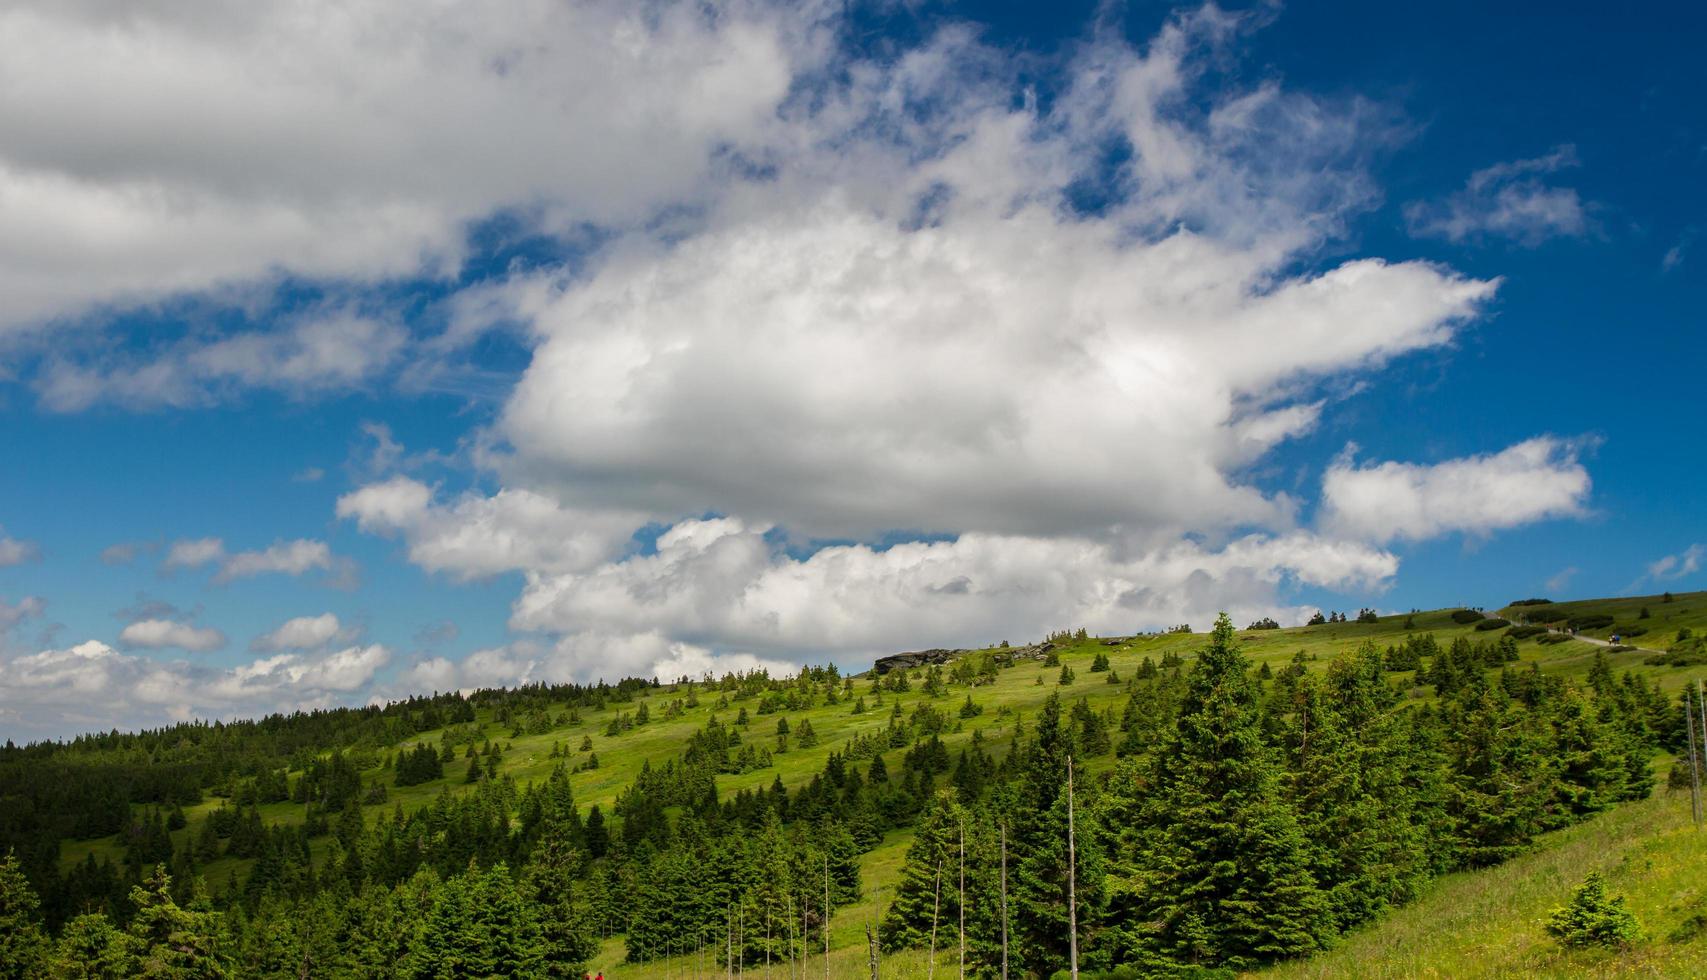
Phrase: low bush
{"type": "Point", "coordinates": [1545, 614]}
{"type": "Point", "coordinates": [1593, 919]}
{"type": "Point", "coordinates": [1533, 602]}
{"type": "Point", "coordinates": [1633, 631]}
{"type": "Point", "coordinates": [1552, 638]}
{"type": "Point", "coordinates": [1525, 632]}
{"type": "Point", "coordinates": [1688, 651]}
{"type": "Point", "coordinates": [1593, 621]}
{"type": "Point", "coordinates": [1464, 616]}
{"type": "Point", "coordinates": [1493, 624]}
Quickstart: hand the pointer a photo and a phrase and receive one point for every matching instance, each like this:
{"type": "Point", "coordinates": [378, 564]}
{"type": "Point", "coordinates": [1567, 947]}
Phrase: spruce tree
{"type": "Point", "coordinates": [89, 948]}
{"type": "Point", "coordinates": [918, 896]}
{"type": "Point", "coordinates": [22, 942]}
{"type": "Point", "coordinates": [1225, 863]}
{"type": "Point", "coordinates": [1501, 778]}
{"type": "Point", "coordinates": [1359, 800]}
{"type": "Point", "coordinates": [169, 942]}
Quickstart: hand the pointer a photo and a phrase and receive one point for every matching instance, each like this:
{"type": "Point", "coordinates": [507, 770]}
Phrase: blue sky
{"type": "Point", "coordinates": [340, 362]}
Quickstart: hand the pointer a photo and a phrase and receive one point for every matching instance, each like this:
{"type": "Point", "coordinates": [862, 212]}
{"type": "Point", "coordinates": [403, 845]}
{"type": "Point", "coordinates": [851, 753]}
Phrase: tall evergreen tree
{"type": "Point", "coordinates": [1223, 864]}
{"type": "Point", "coordinates": [22, 943]}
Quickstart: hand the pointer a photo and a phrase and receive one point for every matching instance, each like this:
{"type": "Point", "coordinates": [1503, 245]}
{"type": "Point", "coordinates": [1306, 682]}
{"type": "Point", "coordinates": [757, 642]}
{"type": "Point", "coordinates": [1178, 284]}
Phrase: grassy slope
{"type": "Point", "coordinates": [1490, 923]}
{"type": "Point", "coordinates": [1017, 690]}
{"type": "Point", "coordinates": [1687, 609]}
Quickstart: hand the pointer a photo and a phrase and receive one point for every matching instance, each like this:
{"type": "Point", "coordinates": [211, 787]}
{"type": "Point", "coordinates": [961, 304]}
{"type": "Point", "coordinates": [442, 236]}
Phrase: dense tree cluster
{"type": "Point", "coordinates": [1247, 822]}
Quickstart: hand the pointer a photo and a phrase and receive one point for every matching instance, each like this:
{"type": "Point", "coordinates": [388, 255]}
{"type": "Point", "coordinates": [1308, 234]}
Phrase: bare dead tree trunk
{"type": "Point", "coordinates": [791, 937]}
{"type": "Point", "coordinates": [1701, 717]}
{"type": "Point", "coordinates": [1004, 901]}
{"type": "Point", "coordinates": [936, 903]}
{"type": "Point", "coordinates": [1694, 769]}
{"type": "Point", "coordinates": [962, 901]}
{"type": "Point", "coordinates": [871, 949]}
{"type": "Point", "coordinates": [826, 917]}
{"type": "Point", "coordinates": [1072, 882]}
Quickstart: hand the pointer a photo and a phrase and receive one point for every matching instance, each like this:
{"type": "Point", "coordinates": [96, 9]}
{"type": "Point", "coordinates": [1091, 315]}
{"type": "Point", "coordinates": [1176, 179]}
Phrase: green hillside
{"type": "Point", "coordinates": [1489, 923]}
{"type": "Point", "coordinates": [1479, 921]}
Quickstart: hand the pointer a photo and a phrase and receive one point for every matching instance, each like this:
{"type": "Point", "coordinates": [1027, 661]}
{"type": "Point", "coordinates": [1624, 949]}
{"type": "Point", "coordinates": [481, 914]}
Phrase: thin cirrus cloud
{"type": "Point", "coordinates": [1507, 200]}
{"type": "Point", "coordinates": [307, 355]}
{"type": "Point", "coordinates": [295, 558]}
{"type": "Point", "coordinates": [1671, 567]}
{"type": "Point", "coordinates": [28, 607]}
{"type": "Point", "coordinates": [16, 552]}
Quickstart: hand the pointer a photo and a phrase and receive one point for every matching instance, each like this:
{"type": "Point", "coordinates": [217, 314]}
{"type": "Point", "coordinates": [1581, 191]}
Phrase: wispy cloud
{"type": "Point", "coordinates": [296, 557]}
{"type": "Point", "coordinates": [1686, 562]}
{"type": "Point", "coordinates": [1562, 579]}
{"type": "Point", "coordinates": [16, 552]}
{"type": "Point", "coordinates": [1507, 200]}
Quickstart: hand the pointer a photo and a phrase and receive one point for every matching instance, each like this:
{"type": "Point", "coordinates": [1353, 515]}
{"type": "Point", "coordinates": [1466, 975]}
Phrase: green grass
{"type": "Point", "coordinates": [1686, 609]}
{"type": "Point", "coordinates": [1015, 694]}
{"type": "Point", "coordinates": [1490, 923]}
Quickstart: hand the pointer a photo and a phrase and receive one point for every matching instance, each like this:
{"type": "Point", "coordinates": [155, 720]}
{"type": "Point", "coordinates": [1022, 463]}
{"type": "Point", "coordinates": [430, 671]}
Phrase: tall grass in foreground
{"type": "Point", "coordinates": [1491, 923]}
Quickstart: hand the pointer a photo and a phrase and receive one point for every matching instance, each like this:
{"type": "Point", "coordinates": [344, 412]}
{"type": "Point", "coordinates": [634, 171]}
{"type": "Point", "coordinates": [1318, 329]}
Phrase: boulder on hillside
{"type": "Point", "coordinates": [918, 658]}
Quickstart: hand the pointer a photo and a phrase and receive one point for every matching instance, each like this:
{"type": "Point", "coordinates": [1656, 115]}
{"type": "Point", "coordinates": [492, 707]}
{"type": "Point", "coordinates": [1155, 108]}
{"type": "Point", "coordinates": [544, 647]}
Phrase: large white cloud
{"type": "Point", "coordinates": [916, 331]}
{"type": "Point", "coordinates": [837, 372]}
{"type": "Point", "coordinates": [908, 327]}
{"type": "Point", "coordinates": [1534, 480]}
{"type": "Point", "coordinates": [905, 295]}
{"type": "Point", "coordinates": [167, 147]}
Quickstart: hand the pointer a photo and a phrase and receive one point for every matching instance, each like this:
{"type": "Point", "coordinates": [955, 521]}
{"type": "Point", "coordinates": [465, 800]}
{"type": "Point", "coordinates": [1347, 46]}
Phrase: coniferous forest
{"type": "Point", "coordinates": [1200, 814]}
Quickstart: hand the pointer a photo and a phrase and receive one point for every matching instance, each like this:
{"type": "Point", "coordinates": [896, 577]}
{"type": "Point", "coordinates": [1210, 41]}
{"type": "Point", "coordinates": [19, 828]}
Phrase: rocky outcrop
{"type": "Point", "coordinates": [919, 658]}
{"type": "Point", "coordinates": [925, 658]}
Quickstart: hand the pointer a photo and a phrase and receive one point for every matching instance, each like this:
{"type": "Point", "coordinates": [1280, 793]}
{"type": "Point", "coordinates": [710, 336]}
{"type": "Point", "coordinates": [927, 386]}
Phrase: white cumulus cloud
{"type": "Point", "coordinates": [1534, 480]}
{"type": "Point", "coordinates": [476, 536]}
{"type": "Point", "coordinates": [722, 584]}
{"type": "Point", "coordinates": [156, 634]}
{"type": "Point", "coordinates": [91, 686]}
{"type": "Point", "coordinates": [163, 148]}
{"type": "Point", "coordinates": [304, 633]}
